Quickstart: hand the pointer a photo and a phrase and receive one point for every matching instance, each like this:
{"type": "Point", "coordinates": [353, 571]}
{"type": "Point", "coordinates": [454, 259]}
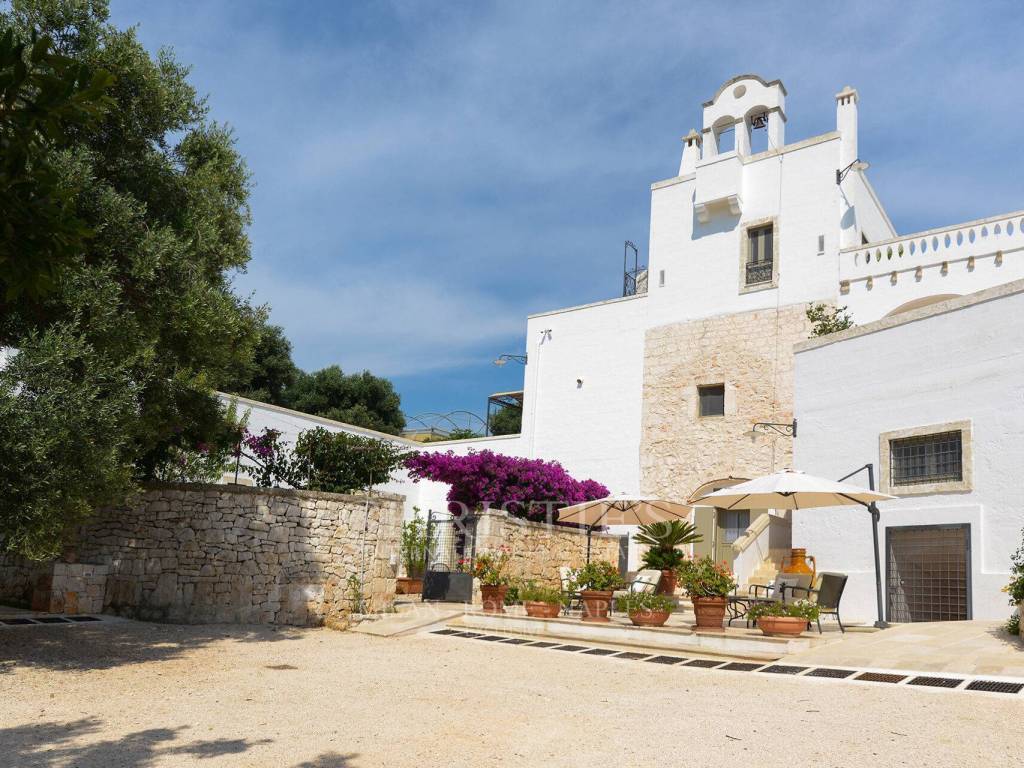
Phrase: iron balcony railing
{"type": "Point", "coordinates": [759, 272]}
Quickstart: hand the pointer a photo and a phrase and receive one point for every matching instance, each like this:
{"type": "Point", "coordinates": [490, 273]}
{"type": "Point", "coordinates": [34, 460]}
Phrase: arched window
{"type": "Point", "coordinates": [756, 123]}
{"type": "Point", "coordinates": [725, 135]}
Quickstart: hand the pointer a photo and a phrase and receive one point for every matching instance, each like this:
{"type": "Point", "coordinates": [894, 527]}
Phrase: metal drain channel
{"type": "Point", "coordinates": [825, 673]}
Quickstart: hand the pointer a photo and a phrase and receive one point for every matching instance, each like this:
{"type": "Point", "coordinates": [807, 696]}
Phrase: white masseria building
{"type": "Point", "coordinates": [656, 392]}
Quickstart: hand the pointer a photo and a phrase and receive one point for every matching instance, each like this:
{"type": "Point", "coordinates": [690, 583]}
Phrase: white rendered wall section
{"type": "Point", "coordinates": [964, 364]}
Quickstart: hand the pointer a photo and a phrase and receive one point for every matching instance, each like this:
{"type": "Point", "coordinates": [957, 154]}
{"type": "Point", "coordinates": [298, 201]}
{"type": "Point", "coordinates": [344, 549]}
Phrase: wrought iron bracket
{"type": "Point", "coordinates": [788, 430]}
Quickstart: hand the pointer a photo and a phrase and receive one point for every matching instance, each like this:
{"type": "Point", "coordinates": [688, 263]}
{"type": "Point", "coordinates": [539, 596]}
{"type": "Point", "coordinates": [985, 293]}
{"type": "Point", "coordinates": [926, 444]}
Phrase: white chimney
{"type": "Point", "coordinates": [691, 153]}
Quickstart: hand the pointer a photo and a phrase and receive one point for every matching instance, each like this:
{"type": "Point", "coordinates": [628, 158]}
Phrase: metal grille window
{"type": "Point", "coordinates": [712, 400]}
{"type": "Point", "coordinates": [759, 255]}
{"type": "Point", "coordinates": [926, 459]}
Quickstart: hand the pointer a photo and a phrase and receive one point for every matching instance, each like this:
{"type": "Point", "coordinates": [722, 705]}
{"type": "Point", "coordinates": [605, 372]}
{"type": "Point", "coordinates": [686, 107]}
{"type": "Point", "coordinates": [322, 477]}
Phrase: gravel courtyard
{"type": "Point", "coordinates": [130, 694]}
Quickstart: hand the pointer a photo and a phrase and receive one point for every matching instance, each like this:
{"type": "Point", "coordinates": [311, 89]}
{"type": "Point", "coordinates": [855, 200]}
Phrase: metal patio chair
{"type": "Point", "coordinates": [827, 596]}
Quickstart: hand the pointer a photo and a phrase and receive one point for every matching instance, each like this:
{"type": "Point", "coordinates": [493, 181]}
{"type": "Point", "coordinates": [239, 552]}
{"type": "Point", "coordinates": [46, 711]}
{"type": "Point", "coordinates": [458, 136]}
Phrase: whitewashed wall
{"type": "Point", "coordinates": [583, 394]}
{"type": "Point", "coordinates": [930, 366]}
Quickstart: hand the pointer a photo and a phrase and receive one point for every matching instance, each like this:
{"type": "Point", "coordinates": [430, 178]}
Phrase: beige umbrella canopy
{"type": "Point", "coordinates": [622, 510]}
{"type": "Point", "coordinates": [790, 489]}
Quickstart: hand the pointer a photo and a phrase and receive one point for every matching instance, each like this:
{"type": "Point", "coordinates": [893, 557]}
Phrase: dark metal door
{"type": "Point", "coordinates": [449, 557]}
{"type": "Point", "coordinates": [928, 573]}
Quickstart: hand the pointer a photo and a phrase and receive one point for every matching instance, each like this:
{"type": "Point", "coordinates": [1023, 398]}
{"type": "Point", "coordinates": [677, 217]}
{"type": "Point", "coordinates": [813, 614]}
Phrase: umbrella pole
{"type": "Point", "coordinates": [590, 530]}
{"type": "Point", "coordinates": [875, 516]}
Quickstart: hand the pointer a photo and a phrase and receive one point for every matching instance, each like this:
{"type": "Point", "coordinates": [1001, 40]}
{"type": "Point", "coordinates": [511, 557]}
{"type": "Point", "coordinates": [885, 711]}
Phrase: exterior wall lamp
{"type": "Point", "coordinates": [764, 427]}
{"type": "Point", "coordinates": [856, 165]}
{"type": "Point", "coordinates": [502, 359]}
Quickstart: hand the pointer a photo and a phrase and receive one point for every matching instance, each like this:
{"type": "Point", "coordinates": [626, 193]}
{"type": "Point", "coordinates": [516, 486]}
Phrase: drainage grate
{"type": "Point", "coordinates": [599, 652]}
{"type": "Point", "coordinates": [570, 648]}
{"type": "Point", "coordinates": [83, 618]}
{"type": "Point", "coordinates": [17, 622]}
{"type": "Point", "coordinates": [515, 640]}
{"type": "Point", "coordinates": [445, 632]}
{"type": "Point", "coordinates": [782, 669]}
{"type": "Point", "coordinates": [52, 620]}
{"type": "Point", "coordinates": [741, 666]}
{"type": "Point", "coordinates": [936, 682]}
{"type": "Point", "coordinates": [491, 638]}
{"type": "Point", "coordinates": [880, 677]}
{"type": "Point", "coordinates": [994, 686]}
{"type": "Point", "coordinates": [468, 634]}
{"type": "Point", "coordinates": [834, 674]}
{"type": "Point", "coordinates": [703, 663]}
{"type": "Point", "coordinates": [632, 655]}
{"type": "Point", "coordinates": [665, 659]}
{"type": "Point", "coordinates": [543, 644]}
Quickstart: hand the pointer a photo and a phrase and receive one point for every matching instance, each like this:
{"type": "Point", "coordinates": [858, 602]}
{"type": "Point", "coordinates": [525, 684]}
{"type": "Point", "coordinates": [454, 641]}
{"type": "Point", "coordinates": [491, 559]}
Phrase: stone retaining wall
{"type": "Point", "coordinates": [537, 549]}
{"type": "Point", "coordinates": [203, 553]}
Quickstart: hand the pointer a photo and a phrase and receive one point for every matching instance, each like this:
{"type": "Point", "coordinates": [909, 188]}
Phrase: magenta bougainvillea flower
{"type": "Point", "coordinates": [530, 488]}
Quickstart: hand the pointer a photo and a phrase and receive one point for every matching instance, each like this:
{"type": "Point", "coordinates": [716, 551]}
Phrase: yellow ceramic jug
{"type": "Point", "coordinates": [798, 558]}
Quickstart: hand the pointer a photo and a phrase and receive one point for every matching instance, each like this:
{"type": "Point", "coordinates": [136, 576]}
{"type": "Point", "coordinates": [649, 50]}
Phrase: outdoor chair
{"type": "Point", "coordinates": [826, 596]}
{"type": "Point", "coordinates": [779, 590]}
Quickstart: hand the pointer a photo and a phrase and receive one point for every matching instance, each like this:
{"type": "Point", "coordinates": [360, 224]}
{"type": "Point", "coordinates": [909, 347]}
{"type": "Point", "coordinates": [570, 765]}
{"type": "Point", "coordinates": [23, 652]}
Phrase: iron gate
{"type": "Point", "coordinates": [449, 557]}
{"type": "Point", "coordinates": [928, 572]}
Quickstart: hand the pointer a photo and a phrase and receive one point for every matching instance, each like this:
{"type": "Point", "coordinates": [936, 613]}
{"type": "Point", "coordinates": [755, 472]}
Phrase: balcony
{"type": "Point", "coordinates": [759, 272]}
{"type": "Point", "coordinates": [719, 184]}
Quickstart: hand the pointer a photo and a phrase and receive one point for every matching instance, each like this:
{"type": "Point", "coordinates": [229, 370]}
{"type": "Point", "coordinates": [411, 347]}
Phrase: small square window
{"type": "Point", "coordinates": [712, 400]}
{"type": "Point", "coordinates": [821, 244]}
{"type": "Point", "coordinates": [934, 458]}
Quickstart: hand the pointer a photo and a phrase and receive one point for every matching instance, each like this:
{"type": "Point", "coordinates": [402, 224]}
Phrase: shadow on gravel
{"type": "Point", "coordinates": [110, 644]}
{"type": "Point", "coordinates": [42, 745]}
{"type": "Point", "coordinates": [80, 743]}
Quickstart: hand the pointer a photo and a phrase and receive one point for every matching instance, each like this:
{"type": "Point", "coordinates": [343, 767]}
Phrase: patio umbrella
{"type": "Point", "coordinates": [791, 489]}
{"type": "Point", "coordinates": [622, 510]}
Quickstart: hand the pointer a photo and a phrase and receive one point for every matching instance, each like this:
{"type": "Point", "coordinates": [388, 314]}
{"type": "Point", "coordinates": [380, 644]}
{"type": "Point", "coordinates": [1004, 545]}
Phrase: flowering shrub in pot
{"type": "Point", "coordinates": [414, 548]}
{"type": "Point", "coordinates": [646, 609]}
{"type": "Point", "coordinates": [780, 619]}
{"type": "Point", "coordinates": [595, 582]}
{"type": "Point", "coordinates": [708, 584]}
{"type": "Point", "coordinates": [539, 601]}
{"type": "Point", "coordinates": [491, 568]}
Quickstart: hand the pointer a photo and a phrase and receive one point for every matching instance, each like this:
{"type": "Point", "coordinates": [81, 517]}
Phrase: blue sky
{"type": "Point", "coordinates": [427, 174]}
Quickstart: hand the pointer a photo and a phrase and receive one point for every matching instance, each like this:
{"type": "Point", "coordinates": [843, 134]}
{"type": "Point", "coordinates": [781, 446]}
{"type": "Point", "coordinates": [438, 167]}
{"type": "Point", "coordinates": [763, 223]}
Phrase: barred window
{"type": "Point", "coordinates": [926, 459]}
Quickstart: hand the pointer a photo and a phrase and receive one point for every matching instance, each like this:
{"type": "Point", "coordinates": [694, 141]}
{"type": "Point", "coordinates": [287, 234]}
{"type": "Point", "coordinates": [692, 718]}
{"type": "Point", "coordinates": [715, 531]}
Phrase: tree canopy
{"type": "Point", "coordinates": [357, 398]}
{"type": "Point", "coordinates": [507, 421]}
{"type": "Point", "coordinates": [138, 322]}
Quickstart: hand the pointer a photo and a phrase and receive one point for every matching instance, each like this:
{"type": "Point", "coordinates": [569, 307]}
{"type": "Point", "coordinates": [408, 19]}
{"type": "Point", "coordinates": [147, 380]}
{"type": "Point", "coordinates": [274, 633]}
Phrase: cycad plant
{"type": "Point", "coordinates": [664, 539]}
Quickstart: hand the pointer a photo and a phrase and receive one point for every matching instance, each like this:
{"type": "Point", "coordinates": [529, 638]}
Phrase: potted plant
{"type": "Point", "coordinates": [540, 602]}
{"type": "Point", "coordinates": [414, 549]}
{"type": "Point", "coordinates": [595, 582]}
{"type": "Point", "coordinates": [646, 609]}
{"type": "Point", "coordinates": [778, 619]}
{"type": "Point", "coordinates": [708, 583]}
{"type": "Point", "coordinates": [491, 569]}
{"type": "Point", "coordinates": [663, 555]}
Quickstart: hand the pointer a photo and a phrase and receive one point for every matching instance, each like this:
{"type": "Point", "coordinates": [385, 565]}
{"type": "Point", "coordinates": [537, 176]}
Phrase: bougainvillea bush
{"type": "Point", "coordinates": [530, 488]}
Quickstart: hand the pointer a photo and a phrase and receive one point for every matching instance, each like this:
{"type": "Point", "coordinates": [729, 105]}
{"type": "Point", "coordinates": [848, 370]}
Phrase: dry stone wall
{"type": "Point", "coordinates": [197, 554]}
{"type": "Point", "coordinates": [537, 549]}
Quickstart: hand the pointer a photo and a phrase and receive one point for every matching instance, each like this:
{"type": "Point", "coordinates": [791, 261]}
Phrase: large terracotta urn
{"type": "Point", "coordinates": [667, 585]}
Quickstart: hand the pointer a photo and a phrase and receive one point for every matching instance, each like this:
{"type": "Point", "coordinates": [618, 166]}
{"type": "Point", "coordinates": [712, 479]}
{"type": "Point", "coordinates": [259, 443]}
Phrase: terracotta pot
{"type": "Point", "coordinates": [408, 586]}
{"type": "Point", "coordinates": [541, 610]}
{"type": "Point", "coordinates": [667, 585]}
{"type": "Point", "coordinates": [494, 598]}
{"type": "Point", "coordinates": [596, 603]}
{"type": "Point", "coordinates": [649, 618]}
{"type": "Point", "coordinates": [782, 626]}
{"type": "Point", "coordinates": [710, 611]}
